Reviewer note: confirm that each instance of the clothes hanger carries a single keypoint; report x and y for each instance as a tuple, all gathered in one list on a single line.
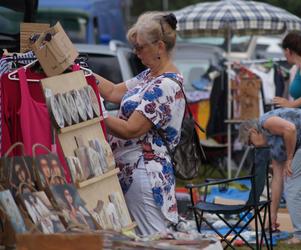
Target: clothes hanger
[(12, 76), (87, 72)]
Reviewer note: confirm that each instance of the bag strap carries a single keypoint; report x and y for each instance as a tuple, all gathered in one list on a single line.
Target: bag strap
[(186, 105), (160, 131), (41, 146)]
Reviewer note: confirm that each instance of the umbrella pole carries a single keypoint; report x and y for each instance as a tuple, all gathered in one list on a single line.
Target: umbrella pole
[(229, 99)]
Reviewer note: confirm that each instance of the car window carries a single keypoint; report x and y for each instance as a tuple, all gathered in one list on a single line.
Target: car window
[(108, 67), (105, 65), (238, 43), (10, 20), (135, 64), (74, 22), (192, 70)]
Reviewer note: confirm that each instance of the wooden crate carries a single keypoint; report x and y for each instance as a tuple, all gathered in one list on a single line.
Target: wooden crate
[(91, 241)]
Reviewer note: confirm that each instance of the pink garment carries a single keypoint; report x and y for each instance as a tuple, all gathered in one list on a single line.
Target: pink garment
[(34, 117)]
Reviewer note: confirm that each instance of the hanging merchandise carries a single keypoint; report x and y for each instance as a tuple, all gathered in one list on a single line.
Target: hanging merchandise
[(54, 50), (36, 126), (87, 101), (71, 103), (93, 99), (65, 108), (245, 90), (56, 112), (81, 107)]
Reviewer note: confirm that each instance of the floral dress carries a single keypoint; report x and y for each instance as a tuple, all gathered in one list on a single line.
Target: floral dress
[(160, 100)]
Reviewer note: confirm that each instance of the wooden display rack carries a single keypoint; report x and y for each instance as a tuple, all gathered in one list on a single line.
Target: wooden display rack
[(96, 188)]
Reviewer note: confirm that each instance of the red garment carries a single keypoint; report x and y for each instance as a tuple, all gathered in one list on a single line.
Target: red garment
[(13, 115), (34, 117)]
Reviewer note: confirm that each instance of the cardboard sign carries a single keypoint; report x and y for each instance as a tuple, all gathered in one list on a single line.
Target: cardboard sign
[(55, 51), (27, 30)]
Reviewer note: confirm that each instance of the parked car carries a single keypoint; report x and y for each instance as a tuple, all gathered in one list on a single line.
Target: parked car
[(118, 63), (12, 13), (245, 47), (115, 62), (93, 21)]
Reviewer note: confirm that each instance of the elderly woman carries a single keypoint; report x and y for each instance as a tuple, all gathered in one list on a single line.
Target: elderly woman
[(280, 129), (152, 100)]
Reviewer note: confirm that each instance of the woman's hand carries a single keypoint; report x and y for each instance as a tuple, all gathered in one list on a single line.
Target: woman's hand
[(287, 171), (282, 102)]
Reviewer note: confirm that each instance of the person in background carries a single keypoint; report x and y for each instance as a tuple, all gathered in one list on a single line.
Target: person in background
[(280, 129), (291, 45), (152, 100)]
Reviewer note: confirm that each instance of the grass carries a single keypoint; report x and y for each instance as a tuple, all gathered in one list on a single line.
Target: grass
[(281, 245)]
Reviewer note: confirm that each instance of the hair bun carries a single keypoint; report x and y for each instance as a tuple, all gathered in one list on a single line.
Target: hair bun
[(171, 20)]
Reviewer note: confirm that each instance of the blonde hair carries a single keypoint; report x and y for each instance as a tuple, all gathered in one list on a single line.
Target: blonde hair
[(155, 26)]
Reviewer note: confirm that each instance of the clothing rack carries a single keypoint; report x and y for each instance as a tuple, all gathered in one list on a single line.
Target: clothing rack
[(230, 122)]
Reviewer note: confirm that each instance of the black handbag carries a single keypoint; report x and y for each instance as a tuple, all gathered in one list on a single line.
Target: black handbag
[(186, 157)]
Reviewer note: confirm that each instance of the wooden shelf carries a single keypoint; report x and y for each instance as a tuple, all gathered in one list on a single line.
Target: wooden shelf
[(80, 125), (97, 178)]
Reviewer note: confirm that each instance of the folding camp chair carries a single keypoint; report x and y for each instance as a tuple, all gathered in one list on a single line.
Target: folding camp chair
[(216, 155), (253, 209)]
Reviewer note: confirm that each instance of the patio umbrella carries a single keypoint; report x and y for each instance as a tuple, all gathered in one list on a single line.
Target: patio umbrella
[(228, 17)]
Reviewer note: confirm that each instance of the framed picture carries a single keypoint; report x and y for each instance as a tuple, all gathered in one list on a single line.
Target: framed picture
[(20, 170), (96, 145), (49, 168), (82, 155), (9, 206), (99, 214), (56, 168), (119, 204), (72, 206), (95, 164), (43, 169), (75, 168), (42, 212)]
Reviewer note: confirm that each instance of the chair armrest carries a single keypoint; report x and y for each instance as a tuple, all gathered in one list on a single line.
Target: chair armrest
[(211, 183)]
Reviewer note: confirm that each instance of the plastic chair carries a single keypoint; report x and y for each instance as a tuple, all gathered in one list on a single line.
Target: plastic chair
[(245, 212)]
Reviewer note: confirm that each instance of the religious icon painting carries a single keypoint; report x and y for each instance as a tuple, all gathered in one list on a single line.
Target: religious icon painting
[(73, 207), (20, 174), (42, 213), (49, 169), (75, 168), (12, 212)]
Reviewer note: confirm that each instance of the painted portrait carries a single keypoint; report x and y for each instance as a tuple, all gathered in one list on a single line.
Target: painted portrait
[(49, 168), (9, 206), (75, 168), (42, 212), (72, 206), (20, 172)]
